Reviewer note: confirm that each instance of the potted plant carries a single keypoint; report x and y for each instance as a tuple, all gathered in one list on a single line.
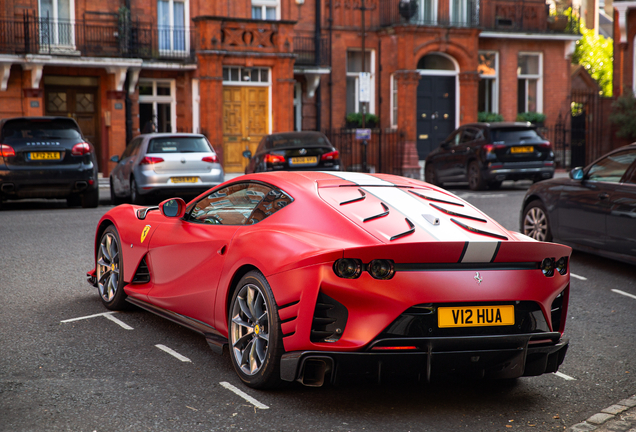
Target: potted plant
[(354, 120), (535, 118), (489, 117)]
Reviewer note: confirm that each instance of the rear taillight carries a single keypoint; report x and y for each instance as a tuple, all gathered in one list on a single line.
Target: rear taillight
[(545, 146), (274, 158), (331, 155), (210, 159), (489, 148), (81, 149), (150, 160), (6, 151)]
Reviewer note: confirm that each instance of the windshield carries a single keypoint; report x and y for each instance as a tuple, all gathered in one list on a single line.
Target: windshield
[(179, 145), (297, 140), (20, 130)]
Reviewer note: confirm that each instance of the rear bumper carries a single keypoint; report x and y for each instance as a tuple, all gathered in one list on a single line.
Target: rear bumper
[(151, 183), (491, 357), (519, 173), (47, 183)]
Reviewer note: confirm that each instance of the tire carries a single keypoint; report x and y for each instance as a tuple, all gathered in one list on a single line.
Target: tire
[(255, 337), (475, 179), (114, 199), (110, 270), (430, 176), (90, 199), (135, 197), (535, 222), (494, 185)]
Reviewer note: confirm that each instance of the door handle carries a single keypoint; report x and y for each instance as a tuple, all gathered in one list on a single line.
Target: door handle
[(603, 195)]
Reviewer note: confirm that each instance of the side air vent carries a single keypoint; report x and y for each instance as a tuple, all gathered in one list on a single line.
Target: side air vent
[(330, 319), (142, 275), (557, 311)]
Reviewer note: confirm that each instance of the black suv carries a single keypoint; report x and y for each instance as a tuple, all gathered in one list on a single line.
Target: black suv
[(47, 157), (485, 154)]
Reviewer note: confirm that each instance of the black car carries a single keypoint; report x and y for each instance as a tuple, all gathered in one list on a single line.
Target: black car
[(298, 151), (486, 154), (47, 157), (594, 210)]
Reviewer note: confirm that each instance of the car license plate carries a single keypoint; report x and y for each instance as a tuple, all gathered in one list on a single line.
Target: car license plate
[(475, 316), (522, 149), (304, 160), (45, 156), (184, 179)]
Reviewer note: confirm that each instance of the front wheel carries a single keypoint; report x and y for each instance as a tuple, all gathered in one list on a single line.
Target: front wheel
[(536, 223), (110, 270), (256, 343)]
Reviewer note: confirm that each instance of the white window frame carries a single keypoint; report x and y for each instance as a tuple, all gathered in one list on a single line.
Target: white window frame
[(356, 76), (171, 25), (54, 33), (495, 78), (394, 102), (458, 17), (264, 4), (298, 106), (196, 107), (155, 99), (434, 6), (538, 77)]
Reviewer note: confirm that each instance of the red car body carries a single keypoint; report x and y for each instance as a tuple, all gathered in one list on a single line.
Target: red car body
[(443, 251)]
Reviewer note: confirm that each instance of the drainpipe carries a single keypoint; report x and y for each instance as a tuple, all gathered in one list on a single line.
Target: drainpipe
[(318, 46), (331, 64)]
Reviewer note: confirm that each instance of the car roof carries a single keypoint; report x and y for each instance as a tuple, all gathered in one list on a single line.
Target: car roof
[(169, 134), (501, 125), (36, 118), (299, 134)]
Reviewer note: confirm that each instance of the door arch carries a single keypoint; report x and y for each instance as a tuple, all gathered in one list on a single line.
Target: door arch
[(437, 100)]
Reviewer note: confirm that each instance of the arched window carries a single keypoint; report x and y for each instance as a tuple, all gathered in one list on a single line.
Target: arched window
[(436, 62)]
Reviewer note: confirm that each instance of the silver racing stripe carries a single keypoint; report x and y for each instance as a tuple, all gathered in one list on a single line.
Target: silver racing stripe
[(361, 179), (480, 251)]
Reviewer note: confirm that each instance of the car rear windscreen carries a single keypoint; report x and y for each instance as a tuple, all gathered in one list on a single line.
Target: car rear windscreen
[(300, 140), (179, 145), (515, 135), (20, 130)]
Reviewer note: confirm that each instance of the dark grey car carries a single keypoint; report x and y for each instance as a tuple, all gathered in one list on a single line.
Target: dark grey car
[(593, 210)]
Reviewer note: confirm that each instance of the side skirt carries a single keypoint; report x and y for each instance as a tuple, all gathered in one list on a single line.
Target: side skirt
[(215, 340)]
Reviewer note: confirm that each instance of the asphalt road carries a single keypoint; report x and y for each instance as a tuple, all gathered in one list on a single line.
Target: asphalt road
[(106, 372)]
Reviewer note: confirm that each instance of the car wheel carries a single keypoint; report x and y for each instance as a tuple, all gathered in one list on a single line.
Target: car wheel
[(430, 176), (256, 344), (90, 199), (475, 179), (110, 270), (536, 223), (135, 197), (114, 199)]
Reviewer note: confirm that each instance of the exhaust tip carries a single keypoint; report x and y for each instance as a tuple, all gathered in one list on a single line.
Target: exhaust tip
[(314, 370), (8, 187)]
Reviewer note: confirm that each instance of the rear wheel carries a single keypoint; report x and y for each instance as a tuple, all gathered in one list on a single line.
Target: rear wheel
[(475, 179), (256, 343), (536, 223), (135, 197), (110, 270), (90, 199), (114, 199)]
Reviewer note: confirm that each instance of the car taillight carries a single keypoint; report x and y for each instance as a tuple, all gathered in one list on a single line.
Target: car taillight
[(149, 160), (81, 149), (546, 145), (6, 151), (210, 159), (489, 148), (274, 158), (331, 155)]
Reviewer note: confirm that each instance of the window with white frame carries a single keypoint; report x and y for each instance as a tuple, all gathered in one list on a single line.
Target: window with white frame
[(172, 18), (298, 107), (459, 15), (354, 67), (529, 83), (157, 106), (241, 75), (265, 9), (56, 18), (488, 84), (394, 102), (428, 12)]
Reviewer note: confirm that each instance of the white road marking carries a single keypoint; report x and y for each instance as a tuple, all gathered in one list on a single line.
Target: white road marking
[(624, 293), (564, 376), (577, 276), (173, 353), (244, 395), (107, 315)]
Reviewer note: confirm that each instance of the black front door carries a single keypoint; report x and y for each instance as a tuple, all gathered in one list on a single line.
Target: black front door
[(435, 112)]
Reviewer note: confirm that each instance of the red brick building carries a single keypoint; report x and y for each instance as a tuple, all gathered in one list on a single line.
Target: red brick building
[(236, 70)]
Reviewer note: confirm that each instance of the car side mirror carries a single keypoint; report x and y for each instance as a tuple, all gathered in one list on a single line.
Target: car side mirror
[(247, 154), (173, 208), (577, 173), (115, 159)]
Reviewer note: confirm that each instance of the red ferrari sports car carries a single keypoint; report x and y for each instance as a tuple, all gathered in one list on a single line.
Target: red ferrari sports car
[(307, 276)]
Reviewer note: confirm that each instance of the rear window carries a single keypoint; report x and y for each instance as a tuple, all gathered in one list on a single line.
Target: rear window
[(179, 145), (515, 135), (19, 130), (300, 140)]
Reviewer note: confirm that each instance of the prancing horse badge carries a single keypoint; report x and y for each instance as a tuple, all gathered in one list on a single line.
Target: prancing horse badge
[(478, 278)]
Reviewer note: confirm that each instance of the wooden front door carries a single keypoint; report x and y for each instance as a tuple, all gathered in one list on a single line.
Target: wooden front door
[(245, 121)]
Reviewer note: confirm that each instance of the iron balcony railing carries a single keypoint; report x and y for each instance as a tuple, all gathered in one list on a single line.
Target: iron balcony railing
[(451, 13), (308, 55), (33, 35)]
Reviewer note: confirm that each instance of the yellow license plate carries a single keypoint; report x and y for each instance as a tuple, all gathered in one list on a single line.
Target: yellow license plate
[(304, 160), (475, 316), (184, 179), (45, 155), (522, 149)]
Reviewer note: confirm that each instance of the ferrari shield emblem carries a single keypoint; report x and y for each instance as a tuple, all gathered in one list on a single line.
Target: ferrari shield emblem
[(144, 233)]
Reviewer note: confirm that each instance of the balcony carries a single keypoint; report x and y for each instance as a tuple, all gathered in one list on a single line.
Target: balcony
[(530, 17), (99, 38), (432, 13), (308, 55)]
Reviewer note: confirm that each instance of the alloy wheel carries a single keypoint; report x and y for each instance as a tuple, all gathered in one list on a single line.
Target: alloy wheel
[(535, 224), (108, 265), (249, 332)]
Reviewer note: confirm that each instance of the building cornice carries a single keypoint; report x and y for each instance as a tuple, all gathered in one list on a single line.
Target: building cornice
[(530, 36)]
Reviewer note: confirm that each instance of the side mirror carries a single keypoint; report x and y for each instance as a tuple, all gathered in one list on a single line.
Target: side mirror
[(173, 208), (115, 159), (577, 173), (247, 154)]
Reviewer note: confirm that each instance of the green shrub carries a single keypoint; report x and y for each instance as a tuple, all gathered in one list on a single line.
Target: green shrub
[(356, 119), (532, 117), (623, 109), (489, 117)]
